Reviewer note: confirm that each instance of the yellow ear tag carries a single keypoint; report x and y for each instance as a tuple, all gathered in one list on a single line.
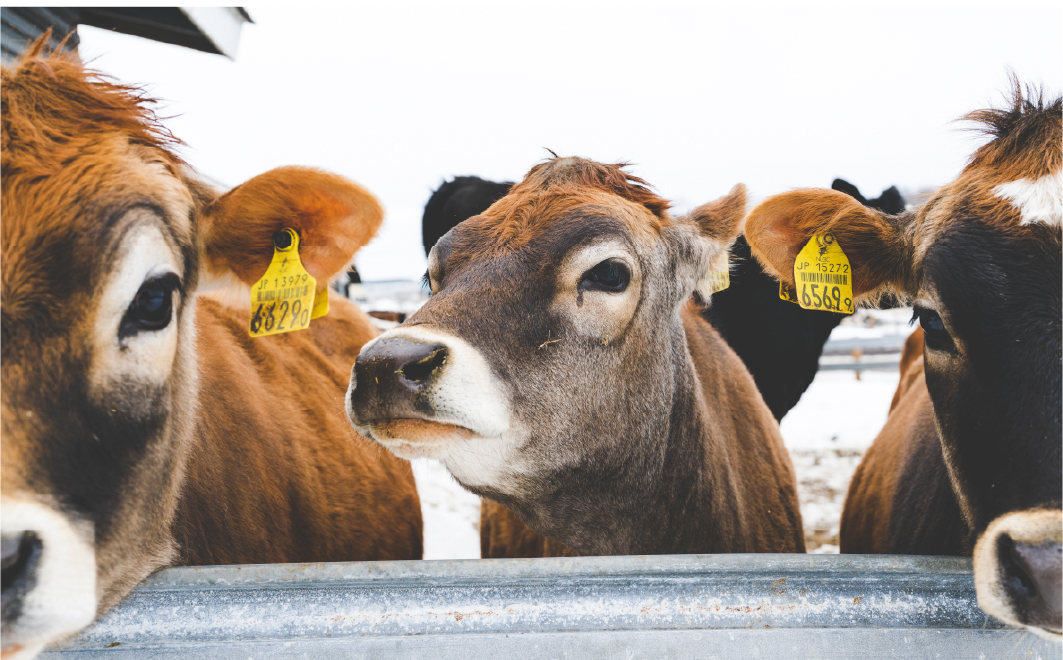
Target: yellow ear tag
[(788, 293), (320, 304), (282, 300), (719, 280), (823, 277)]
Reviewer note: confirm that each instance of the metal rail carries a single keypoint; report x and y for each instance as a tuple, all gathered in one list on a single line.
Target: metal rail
[(712, 606)]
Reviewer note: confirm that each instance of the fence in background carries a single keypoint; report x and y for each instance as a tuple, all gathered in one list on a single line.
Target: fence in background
[(713, 606)]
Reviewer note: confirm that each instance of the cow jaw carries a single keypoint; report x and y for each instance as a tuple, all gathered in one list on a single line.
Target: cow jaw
[(52, 593)]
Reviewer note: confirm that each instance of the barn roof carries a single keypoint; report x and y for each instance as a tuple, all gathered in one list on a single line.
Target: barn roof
[(208, 29)]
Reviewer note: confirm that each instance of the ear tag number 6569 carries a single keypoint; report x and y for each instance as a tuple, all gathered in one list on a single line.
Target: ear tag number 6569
[(822, 277), (283, 299)]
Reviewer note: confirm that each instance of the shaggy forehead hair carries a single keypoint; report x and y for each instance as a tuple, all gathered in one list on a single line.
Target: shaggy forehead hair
[(551, 189), (66, 133), (1026, 136), (1025, 147), (53, 107)]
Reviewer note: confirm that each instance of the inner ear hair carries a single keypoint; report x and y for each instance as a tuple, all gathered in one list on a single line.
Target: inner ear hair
[(875, 243), (720, 220)]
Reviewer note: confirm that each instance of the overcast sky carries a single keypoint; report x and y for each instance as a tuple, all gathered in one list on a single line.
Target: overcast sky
[(399, 98)]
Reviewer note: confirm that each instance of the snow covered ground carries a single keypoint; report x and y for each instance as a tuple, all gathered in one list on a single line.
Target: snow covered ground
[(827, 433), (451, 513)]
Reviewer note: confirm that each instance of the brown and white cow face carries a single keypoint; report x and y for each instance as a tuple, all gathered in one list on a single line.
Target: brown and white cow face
[(105, 238), (981, 263), (552, 332)]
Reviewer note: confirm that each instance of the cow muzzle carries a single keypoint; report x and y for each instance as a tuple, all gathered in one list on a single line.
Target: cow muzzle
[(1018, 570), (48, 574), (418, 392)]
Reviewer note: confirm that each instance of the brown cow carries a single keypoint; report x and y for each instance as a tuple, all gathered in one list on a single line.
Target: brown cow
[(972, 449), (141, 426), (599, 405)]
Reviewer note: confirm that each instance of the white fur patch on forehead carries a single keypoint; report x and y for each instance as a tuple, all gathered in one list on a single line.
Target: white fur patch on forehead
[(1038, 200)]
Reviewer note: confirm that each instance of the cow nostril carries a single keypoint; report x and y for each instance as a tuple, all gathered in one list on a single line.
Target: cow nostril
[(1032, 580), (1016, 578), (20, 554), (422, 369)]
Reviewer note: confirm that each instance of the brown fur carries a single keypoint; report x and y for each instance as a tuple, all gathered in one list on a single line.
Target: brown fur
[(910, 371), (243, 454), (503, 535), (753, 448), (355, 501), (719, 219), (553, 187), (610, 421), (971, 447), (334, 218), (872, 491), (889, 250), (768, 518), (780, 226)]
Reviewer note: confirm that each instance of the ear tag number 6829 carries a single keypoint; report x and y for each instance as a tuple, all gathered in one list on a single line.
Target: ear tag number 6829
[(283, 299), (822, 277)]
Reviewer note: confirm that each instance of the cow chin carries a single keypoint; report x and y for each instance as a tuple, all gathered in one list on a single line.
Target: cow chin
[(50, 583), (1017, 570), (418, 438)]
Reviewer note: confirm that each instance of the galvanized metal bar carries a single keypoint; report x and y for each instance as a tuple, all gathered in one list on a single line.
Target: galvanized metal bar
[(794, 606), (860, 366)]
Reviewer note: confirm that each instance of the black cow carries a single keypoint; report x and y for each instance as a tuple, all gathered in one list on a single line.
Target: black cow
[(889, 201), (779, 341), (456, 200)]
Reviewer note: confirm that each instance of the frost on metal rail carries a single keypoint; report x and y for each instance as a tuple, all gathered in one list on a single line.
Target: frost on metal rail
[(712, 606)]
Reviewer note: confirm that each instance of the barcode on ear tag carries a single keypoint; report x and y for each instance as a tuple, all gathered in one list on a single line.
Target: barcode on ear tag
[(283, 299), (822, 277)]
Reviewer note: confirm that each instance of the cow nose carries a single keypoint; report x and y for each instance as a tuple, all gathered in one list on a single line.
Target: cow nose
[(391, 376), (1032, 579), (398, 361), (21, 553)]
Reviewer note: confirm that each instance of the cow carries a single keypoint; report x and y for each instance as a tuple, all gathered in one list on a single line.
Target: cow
[(890, 201), (779, 342), (969, 461), (142, 427), (456, 200), (562, 368)]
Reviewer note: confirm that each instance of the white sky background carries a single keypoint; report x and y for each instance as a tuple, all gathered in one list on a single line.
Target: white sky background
[(399, 98)]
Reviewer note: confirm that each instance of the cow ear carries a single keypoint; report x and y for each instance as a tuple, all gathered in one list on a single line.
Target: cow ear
[(333, 216), (717, 225), (781, 225), (719, 221)]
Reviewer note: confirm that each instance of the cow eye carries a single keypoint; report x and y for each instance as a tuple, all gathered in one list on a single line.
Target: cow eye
[(152, 307), (935, 336), (611, 275)]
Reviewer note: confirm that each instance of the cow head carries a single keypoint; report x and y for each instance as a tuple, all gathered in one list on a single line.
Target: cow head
[(106, 237), (980, 262), (552, 335)]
